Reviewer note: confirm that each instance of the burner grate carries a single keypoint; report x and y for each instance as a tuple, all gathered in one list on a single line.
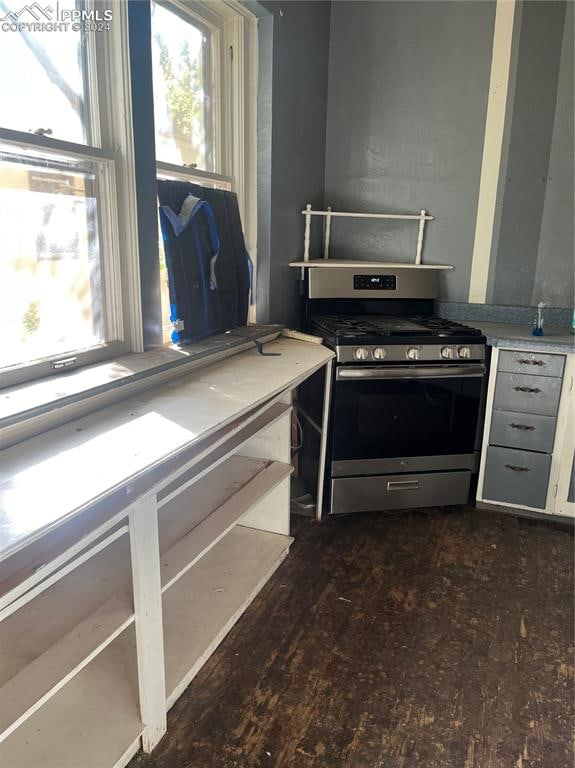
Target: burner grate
[(374, 325)]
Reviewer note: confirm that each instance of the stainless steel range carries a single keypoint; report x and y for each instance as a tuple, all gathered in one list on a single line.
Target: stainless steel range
[(407, 391)]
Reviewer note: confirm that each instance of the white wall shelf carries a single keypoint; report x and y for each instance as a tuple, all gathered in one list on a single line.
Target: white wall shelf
[(421, 218), (354, 264), (108, 608)]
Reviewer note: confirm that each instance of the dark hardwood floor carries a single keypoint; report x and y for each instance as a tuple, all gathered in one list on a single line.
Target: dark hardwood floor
[(435, 639)]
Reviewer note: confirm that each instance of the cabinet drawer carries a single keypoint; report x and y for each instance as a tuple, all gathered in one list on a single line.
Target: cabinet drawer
[(527, 394), (516, 477), (529, 431), (533, 363)]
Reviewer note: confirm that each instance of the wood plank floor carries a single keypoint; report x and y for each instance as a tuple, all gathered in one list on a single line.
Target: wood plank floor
[(428, 639)]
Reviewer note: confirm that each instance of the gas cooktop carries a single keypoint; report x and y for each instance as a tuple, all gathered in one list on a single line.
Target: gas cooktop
[(348, 329), (391, 339)]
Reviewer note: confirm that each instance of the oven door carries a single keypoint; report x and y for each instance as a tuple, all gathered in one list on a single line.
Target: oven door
[(395, 419)]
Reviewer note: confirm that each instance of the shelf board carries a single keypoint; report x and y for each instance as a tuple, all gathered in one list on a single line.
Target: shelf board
[(351, 264), (47, 619), (39, 681), (93, 722), (247, 482), (202, 606), (183, 513)]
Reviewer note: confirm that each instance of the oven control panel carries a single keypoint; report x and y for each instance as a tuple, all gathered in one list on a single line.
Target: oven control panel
[(410, 353), (375, 282)]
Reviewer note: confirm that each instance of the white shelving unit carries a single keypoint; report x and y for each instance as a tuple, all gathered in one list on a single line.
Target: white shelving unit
[(109, 610), (421, 218)]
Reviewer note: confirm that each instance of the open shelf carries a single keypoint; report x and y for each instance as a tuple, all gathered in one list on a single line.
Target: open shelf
[(49, 617), (197, 519), (54, 636), (202, 606), (354, 264), (198, 501), (51, 638), (222, 446), (45, 556), (93, 722)]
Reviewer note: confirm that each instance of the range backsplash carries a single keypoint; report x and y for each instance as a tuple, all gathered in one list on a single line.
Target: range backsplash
[(496, 313)]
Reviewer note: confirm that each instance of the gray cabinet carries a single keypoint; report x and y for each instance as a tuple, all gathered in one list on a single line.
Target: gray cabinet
[(519, 445)]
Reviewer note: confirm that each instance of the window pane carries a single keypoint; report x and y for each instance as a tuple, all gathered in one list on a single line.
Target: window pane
[(50, 270), (42, 77), (183, 90)]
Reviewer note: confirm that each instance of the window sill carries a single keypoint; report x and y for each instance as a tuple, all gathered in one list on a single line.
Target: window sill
[(29, 409)]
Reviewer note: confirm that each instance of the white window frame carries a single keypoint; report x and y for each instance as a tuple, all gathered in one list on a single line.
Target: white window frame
[(235, 59), (111, 147)]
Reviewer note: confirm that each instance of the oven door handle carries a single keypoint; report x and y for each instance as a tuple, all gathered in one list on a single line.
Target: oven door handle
[(421, 372)]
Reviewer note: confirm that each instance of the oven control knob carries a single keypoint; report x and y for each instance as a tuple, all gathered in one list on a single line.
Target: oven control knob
[(412, 353), (464, 352), (447, 352), (361, 353), (379, 353)]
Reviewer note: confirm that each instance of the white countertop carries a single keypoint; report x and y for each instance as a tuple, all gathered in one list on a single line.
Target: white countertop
[(506, 334), (109, 454)]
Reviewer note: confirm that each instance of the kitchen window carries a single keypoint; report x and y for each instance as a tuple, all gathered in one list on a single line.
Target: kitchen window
[(204, 57), (186, 89), (67, 293), (70, 283)]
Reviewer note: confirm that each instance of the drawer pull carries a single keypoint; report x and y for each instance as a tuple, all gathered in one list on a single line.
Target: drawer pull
[(523, 427), (534, 390), (402, 485), (514, 468), (531, 362)]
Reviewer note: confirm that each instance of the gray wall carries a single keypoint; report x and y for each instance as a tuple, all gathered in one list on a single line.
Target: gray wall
[(291, 144), (407, 98), (529, 252), (554, 275), (396, 93)]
